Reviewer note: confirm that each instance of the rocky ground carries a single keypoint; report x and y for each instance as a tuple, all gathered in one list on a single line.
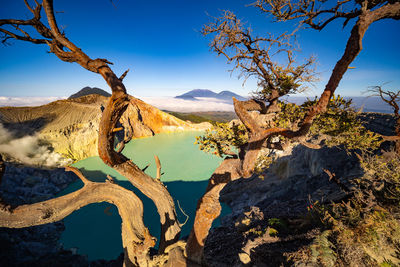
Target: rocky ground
[(381, 123)]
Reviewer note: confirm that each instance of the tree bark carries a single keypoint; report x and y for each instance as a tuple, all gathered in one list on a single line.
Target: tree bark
[(273, 106), (152, 188), (209, 207), (273, 101)]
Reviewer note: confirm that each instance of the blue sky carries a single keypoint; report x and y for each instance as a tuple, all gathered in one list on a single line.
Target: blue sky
[(160, 42)]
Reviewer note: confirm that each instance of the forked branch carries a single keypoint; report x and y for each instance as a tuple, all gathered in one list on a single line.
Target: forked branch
[(258, 56), (158, 165), (136, 238), (392, 98)]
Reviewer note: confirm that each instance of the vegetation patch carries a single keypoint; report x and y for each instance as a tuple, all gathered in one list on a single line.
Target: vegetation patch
[(365, 229)]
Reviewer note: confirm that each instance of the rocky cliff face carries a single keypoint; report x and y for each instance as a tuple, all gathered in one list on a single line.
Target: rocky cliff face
[(70, 126)]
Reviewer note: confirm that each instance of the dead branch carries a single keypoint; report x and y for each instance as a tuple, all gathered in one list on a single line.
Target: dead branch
[(392, 98), (110, 179), (117, 129), (334, 178), (145, 168), (310, 12), (136, 238), (390, 138), (183, 212), (121, 146), (123, 75), (158, 164), (255, 56), (78, 173), (309, 145)]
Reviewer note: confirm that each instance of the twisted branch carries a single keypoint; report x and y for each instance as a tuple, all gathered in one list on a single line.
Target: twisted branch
[(135, 236)]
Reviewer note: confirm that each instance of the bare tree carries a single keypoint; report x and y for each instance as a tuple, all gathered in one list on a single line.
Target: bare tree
[(258, 56), (237, 45), (317, 15), (392, 98)]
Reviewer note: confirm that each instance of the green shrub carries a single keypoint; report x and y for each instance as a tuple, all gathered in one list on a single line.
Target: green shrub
[(322, 250), (339, 125), (223, 139)]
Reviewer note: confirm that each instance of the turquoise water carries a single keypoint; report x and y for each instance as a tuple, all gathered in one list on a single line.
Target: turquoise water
[(95, 229)]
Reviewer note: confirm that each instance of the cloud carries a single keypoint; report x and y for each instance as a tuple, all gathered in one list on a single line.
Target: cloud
[(183, 105), (166, 103), (27, 101), (29, 150)]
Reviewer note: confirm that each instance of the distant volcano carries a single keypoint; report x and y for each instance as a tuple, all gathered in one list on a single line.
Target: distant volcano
[(223, 95), (90, 91)]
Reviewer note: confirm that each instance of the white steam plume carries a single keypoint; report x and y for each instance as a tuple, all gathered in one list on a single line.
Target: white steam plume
[(29, 150)]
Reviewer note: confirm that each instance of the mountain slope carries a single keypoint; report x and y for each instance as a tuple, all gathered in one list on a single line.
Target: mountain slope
[(198, 93), (89, 91), (71, 126), (228, 95), (223, 95)]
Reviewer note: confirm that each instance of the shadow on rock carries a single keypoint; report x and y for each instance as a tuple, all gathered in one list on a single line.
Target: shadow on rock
[(270, 217)]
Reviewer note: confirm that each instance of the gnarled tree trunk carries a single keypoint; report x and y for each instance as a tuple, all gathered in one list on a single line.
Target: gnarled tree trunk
[(152, 188), (136, 238)]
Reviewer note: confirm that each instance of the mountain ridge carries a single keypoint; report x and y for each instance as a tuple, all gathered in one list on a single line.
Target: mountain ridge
[(225, 95), (89, 91)]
